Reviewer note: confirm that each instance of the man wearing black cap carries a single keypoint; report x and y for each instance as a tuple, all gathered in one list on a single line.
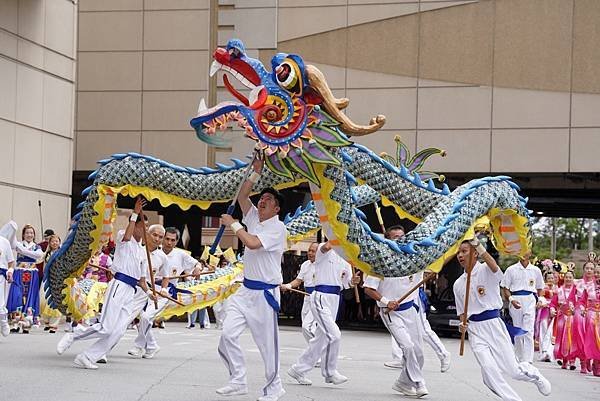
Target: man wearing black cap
[(47, 234), (256, 303)]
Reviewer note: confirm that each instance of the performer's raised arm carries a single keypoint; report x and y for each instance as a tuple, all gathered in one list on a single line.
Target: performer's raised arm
[(246, 188)]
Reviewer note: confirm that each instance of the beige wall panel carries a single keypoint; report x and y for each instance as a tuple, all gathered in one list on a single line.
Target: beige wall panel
[(180, 148), (94, 146), (32, 19), (533, 44), (398, 105), (8, 44), (183, 70), (324, 48), (110, 5), (311, 3), (586, 52), (240, 147), (396, 49), (462, 37), (30, 53), (29, 96), (59, 65), (109, 111), (58, 106), (454, 107), (585, 143), (28, 156), (335, 76), (467, 151), (176, 4), (514, 108), (55, 211), (8, 15), (530, 150), (7, 150), (110, 31), (57, 164), (257, 26), (310, 20), (187, 30), (428, 5), (585, 110), (432, 83), (170, 111), (370, 79), (109, 71), (8, 88), (383, 141), (6, 200), (60, 26), (360, 14)]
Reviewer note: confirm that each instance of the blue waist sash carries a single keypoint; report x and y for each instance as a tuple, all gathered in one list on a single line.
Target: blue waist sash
[(259, 285), (328, 289), (405, 306), (525, 292), (173, 290), (513, 331), (130, 281), (309, 289), (3, 272)]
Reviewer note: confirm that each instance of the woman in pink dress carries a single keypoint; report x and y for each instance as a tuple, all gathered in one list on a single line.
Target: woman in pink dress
[(591, 301), (562, 306), (583, 284), (544, 322)]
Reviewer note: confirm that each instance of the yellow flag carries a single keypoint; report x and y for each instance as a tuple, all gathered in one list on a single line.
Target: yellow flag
[(218, 251), (229, 254), (214, 261), (204, 255)]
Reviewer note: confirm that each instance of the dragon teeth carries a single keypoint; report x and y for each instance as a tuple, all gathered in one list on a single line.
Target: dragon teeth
[(214, 67)]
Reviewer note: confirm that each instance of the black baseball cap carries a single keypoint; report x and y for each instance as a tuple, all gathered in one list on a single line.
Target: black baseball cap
[(48, 232), (276, 194)]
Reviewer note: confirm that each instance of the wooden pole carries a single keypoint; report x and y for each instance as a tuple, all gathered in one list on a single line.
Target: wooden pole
[(306, 294), (356, 295), (469, 269), (379, 217), (420, 283), (152, 287), (171, 299)]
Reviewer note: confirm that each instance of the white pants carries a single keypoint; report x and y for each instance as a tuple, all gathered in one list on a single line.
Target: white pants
[(145, 338), (113, 322), (494, 352), (404, 327), (219, 309), (309, 325), (249, 308), (4, 288), (525, 319), (546, 346), (429, 336), (326, 342), (140, 299)]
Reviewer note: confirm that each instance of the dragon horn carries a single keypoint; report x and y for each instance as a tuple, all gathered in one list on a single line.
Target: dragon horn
[(318, 82)]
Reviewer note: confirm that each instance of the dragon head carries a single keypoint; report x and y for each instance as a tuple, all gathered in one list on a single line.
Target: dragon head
[(290, 111)]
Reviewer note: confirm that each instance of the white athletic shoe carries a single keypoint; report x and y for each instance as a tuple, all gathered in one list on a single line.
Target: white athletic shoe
[(395, 364), (336, 379), (544, 386), (149, 354), (232, 389), (103, 359), (404, 388), (301, 379), (318, 364), (81, 361), (4, 328), (136, 352), (272, 397), (64, 343), (445, 363), (421, 390)]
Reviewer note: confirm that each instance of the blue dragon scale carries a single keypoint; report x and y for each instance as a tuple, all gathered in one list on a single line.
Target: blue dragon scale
[(299, 126)]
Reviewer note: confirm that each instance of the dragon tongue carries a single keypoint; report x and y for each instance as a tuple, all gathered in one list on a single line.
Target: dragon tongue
[(257, 97)]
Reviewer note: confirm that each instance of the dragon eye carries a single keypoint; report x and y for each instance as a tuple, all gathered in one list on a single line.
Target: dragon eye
[(286, 76)]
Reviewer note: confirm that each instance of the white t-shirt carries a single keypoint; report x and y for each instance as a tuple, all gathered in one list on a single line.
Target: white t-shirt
[(264, 264), (128, 257), (331, 269), (484, 293), (6, 253), (180, 261), (518, 278), (393, 288), (160, 264), (307, 274)]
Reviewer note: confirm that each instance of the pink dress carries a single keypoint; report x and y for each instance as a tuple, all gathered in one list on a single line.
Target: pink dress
[(563, 302), (591, 300), (580, 327)]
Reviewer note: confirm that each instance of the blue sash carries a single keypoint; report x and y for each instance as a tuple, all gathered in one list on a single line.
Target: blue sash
[(328, 289), (173, 290), (424, 300), (130, 281), (3, 272), (405, 306), (525, 292), (309, 289), (259, 285), (513, 331)]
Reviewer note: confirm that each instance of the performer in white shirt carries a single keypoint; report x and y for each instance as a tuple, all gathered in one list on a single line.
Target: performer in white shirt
[(521, 286), (117, 306), (7, 266), (488, 337), (332, 274), (306, 276), (256, 303)]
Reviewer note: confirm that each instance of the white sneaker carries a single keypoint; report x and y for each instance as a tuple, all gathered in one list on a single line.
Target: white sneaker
[(395, 364), (445, 363), (336, 379), (318, 364), (4, 328), (136, 352), (404, 388), (544, 386), (232, 389), (64, 343), (421, 390), (300, 378), (272, 397), (149, 354), (81, 361), (103, 359)]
